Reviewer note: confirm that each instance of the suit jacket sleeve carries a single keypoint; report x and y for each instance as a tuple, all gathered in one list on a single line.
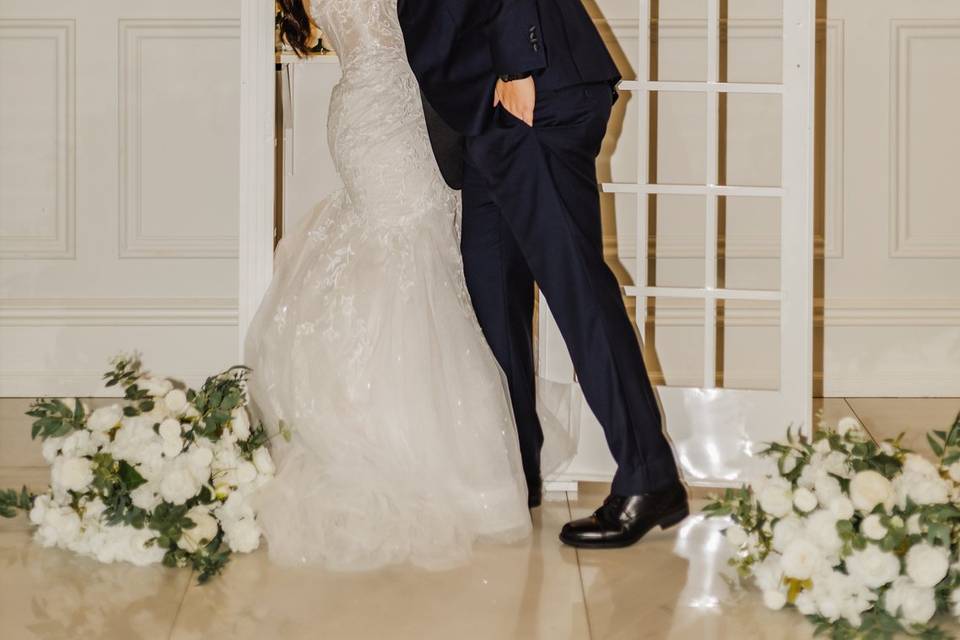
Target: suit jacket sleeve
[(516, 42)]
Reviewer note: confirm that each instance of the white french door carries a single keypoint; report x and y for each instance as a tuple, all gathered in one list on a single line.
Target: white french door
[(716, 430)]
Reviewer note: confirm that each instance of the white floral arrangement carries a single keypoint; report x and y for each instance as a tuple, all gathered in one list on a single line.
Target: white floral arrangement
[(860, 537), (165, 476)]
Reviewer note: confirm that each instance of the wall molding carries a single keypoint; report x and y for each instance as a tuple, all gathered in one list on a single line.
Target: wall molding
[(830, 33), (134, 242), (61, 243), (118, 312), (903, 242)]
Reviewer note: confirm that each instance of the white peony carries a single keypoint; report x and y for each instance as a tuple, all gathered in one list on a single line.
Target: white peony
[(804, 500), (954, 471), (50, 449), (849, 425), (873, 567), (785, 531), (170, 429), (842, 508), (909, 601), (789, 461), (913, 525), (105, 418), (139, 549), (821, 528), (264, 462), (927, 565), (176, 401), (801, 559), (145, 497), (873, 528), (72, 474), (78, 444), (240, 423), (929, 491), (827, 488), (242, 535), (39, 510), (735, 536), (869, 489), (246, 472), (774, 599), (156, 387), (776, 497), (178, 485), (836, 463), (205, 530)]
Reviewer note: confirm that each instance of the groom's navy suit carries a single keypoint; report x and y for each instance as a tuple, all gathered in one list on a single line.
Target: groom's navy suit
[(531, 209)]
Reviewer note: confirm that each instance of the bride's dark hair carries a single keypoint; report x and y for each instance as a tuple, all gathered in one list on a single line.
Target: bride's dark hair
[(295, 26)]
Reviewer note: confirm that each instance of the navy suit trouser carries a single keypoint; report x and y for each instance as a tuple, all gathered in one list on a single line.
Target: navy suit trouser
[(531, 213)]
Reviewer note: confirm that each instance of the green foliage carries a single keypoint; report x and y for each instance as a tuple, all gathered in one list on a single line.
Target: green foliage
[(216, 400), (258, 438), (208, 561), (11, 501), (54, 419)]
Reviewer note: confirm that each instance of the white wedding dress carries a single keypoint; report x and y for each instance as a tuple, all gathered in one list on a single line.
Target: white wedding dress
[(403, 446)]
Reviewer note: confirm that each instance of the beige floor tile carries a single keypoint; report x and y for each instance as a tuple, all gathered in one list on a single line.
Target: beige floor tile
[(888, 417), (675, 585), (54, 594), (526, 591)]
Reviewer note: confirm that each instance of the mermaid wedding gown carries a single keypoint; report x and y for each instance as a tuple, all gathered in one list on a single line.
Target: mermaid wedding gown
[(403, 444)]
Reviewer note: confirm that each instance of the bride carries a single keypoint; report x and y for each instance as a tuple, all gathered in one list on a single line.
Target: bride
[(403, 446)]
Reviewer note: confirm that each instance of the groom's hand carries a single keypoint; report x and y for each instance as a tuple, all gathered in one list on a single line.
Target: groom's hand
[(519, 97)]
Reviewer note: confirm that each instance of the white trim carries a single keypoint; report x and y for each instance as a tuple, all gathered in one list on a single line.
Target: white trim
[(116, 312), (257, 57)]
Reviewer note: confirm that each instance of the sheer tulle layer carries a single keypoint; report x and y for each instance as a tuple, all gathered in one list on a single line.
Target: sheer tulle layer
[(403, 444)]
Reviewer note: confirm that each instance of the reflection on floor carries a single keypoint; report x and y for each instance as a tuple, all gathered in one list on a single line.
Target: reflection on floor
[(674, 584)]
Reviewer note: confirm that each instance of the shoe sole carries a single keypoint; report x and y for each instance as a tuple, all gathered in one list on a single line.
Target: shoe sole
[(666, 522)]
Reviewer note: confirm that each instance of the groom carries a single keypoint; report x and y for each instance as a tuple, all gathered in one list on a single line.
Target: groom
[(529, 85)]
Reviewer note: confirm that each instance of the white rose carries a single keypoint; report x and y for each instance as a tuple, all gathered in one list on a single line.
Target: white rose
[(156, 387), (72, 474), (822, 446), (786, 531), (868, 489), (205, 530), (873, 528), (170, 429), (240, 423), (736, 536), (805, 603), (801, 559), (804, 500), (916, 464), (927, 565), (836, 463), (145, 497), (841, 508), (172, 448), (914, 604), (776, 498), (774, 599), (263, 462), (178, 485), (789, 461), (105, 418), (873, 567), (176, 401)]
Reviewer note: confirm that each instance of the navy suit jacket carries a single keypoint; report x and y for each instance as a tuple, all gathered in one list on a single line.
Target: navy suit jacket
[(457, 48)]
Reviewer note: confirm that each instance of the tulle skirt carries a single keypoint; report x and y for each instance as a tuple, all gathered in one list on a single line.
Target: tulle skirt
[(402, 445)]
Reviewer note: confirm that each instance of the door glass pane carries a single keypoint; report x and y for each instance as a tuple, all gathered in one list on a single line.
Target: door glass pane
[(680, 144), (750, 139)]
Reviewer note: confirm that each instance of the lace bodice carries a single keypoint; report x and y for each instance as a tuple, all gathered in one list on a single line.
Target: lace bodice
[(363, 33)]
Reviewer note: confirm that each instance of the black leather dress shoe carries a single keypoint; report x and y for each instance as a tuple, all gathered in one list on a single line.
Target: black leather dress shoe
[(623, 520)]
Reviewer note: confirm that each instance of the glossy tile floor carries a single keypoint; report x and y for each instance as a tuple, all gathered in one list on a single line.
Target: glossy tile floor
[(673, 585)]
